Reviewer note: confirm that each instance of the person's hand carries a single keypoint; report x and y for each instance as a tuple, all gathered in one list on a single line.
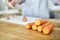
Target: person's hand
[(11, 3)]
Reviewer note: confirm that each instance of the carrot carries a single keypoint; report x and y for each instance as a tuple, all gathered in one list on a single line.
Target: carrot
[(40, 22), (24, 19), (48, 29), (40, 27), (34, 27), (29, 25)]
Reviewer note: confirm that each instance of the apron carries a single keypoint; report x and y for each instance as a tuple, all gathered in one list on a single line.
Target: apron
[(35, 8)]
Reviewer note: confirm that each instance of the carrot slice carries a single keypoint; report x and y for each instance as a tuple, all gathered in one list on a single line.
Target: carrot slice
[(48, 29), (40, 28), (34, 27), (24, 19), (29, 25)]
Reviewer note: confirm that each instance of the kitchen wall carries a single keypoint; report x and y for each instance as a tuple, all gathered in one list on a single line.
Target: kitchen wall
[(3, 5)]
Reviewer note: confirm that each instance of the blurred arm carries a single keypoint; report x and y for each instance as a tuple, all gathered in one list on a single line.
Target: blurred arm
[(10, 5)]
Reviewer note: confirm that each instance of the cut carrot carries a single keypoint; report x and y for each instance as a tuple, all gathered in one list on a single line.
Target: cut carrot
[(40, 22), (37, 21), (29, 25), (40, 27), (24, 19), (34, 27), (48, 29)]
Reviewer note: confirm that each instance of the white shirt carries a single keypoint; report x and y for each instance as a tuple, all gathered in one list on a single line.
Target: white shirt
[(35, 8), (54, 1)]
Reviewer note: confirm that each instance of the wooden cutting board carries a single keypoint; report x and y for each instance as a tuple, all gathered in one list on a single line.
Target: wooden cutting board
[(10, 31)]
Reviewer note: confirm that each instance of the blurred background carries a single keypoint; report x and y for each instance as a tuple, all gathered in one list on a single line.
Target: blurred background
[(53, 5)]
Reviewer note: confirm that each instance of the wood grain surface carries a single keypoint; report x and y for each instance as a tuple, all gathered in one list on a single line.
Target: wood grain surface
[(10, 31)]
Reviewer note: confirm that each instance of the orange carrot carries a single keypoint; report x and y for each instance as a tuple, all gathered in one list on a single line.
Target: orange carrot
[(40, 27), (48, 29), (34, 27), (40, 22), (24, 19), (29, 25)]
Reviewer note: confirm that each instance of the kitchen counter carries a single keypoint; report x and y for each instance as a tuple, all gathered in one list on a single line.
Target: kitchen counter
[(14, 31)]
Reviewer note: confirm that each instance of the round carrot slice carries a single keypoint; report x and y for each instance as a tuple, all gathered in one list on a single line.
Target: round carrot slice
[(24, 19)]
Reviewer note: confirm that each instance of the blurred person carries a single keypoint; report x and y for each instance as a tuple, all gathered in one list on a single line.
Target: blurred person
[(56, 2), (35, 8)]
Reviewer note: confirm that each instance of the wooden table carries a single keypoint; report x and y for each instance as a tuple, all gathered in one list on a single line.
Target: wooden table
[(10, 31)]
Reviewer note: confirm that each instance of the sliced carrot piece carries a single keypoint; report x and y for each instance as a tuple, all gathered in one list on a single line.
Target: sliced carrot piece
[(34, 27), (29, 25), (48, 29), (24, 19)]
